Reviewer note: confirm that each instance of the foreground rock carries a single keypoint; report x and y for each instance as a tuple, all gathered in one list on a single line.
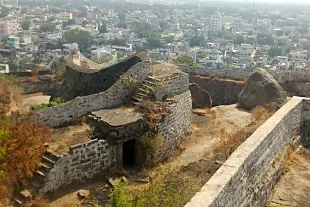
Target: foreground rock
[(201, 98), (260, 89)]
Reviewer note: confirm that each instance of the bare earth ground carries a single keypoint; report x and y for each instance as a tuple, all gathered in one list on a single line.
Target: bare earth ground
[(63, 138), (32, 99), (190, 159), (294, 187)]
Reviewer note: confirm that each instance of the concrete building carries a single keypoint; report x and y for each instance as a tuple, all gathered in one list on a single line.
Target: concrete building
[(216, 23), (8, 27), (9, 3), (12, 42), (4, 68), (298, 56)]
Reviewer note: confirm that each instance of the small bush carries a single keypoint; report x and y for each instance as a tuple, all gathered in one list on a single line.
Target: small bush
[(273, 106), (151, 143), (55, 102)]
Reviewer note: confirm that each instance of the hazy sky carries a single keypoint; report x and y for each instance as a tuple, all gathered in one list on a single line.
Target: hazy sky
[(272, 1)]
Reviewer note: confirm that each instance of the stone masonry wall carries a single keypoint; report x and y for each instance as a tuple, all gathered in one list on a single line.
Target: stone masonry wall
[(82, 162), (305, 130), (296, 82), (172, 85), (114, 96), (245, 178), (175, 125)]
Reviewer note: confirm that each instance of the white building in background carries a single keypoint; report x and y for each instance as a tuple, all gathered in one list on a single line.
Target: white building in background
[(216, 23), (8, 27), (69, 47), (4, 68), (298, 56), (9, 3)]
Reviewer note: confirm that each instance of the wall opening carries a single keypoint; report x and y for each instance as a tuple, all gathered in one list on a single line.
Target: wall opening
[(129, 153)]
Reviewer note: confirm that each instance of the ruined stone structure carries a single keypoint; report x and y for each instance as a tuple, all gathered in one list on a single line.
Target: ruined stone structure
[(250, 173), (118, 128), (295, 82)]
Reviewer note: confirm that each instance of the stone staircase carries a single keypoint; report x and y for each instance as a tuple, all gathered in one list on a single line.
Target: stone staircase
[(37, 181), (146, 91)]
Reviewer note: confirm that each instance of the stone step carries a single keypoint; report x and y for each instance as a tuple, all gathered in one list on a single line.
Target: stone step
[(150, 83), (142, 94), (147, 87), (51, 156), (41, 174), (145, 90), (153, 78), (37, 183), (19, 201), (44, 168), (48, 161), (135, 103), (137, 99)]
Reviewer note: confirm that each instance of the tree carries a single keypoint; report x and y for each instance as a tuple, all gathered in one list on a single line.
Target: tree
[(196, 41), (47, 27), (117, 41), (13, 66), (122, 20), (154, 41), (69, 22), (265, 39), (103, 27), (4, 12), (185, 60), (238, 40), (21, 143), (37, 60), (81, 37), (275, 51), (25, 25)]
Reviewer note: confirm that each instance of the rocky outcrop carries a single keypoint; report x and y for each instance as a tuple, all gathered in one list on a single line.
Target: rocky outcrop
[(260, 89), (200, 97), (222, 91)]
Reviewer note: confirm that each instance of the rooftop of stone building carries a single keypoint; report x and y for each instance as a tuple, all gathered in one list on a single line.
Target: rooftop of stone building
[(118, 116), (164, 70)]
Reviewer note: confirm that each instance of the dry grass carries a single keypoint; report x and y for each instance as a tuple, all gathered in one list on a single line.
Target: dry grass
[(229, 141), (39, 201)]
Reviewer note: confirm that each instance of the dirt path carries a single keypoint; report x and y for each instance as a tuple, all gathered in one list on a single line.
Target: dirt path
[(201, 141), (294, 187)]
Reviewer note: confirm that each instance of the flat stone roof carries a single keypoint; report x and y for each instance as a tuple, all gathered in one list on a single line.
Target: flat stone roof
[(163, 70), (117, 117)]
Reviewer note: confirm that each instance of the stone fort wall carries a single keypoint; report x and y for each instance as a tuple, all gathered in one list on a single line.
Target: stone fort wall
[(296, 82), (250, 173), (81, 82), (82, 162), (176, 125), (74, 109)]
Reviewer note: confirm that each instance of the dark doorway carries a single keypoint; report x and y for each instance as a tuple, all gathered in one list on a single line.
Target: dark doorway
[(129, 156)]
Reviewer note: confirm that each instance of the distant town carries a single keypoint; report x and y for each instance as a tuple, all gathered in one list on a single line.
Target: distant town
[(35, 34)]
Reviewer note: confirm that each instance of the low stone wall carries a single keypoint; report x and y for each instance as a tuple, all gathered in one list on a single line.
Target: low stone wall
[(305, 130), (296, 82), (74, 109), (82, 162), (245, 178), (38, 84), (222, 91), (172, 85), (175, 125)]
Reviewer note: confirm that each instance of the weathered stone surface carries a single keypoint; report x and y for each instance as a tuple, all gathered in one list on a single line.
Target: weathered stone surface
[(250, 173), (83, 194), (201, 98), (260, 89)]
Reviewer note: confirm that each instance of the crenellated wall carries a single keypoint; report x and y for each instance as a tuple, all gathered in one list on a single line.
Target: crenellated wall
[(296, 82), (250, 173), (74, 109), (82, 162)]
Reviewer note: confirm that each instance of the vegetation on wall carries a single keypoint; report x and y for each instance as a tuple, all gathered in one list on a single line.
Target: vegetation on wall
[(54, 102), (21, 144), (185, 60)]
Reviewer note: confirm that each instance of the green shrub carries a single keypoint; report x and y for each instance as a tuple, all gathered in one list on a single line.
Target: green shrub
[(55, 102), (119, 197)]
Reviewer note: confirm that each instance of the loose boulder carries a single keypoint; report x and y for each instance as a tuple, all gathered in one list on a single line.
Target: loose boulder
[(260, 88), (200, 97)]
